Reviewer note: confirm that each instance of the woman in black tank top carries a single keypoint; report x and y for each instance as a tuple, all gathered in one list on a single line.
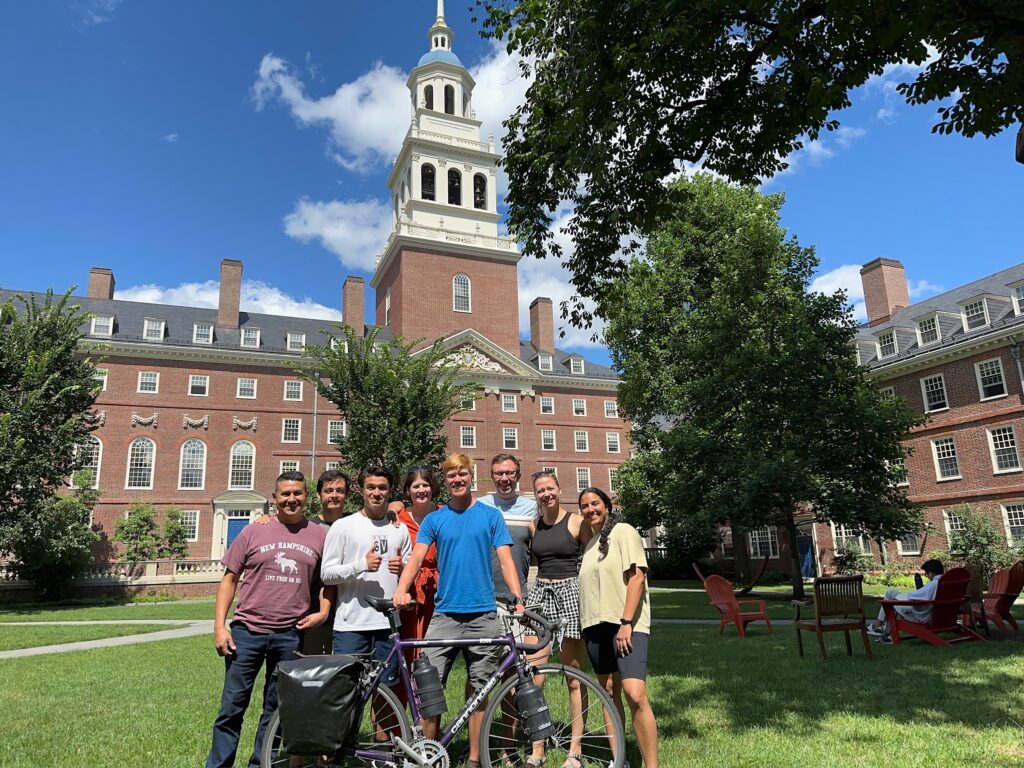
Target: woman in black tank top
[(559, 538)]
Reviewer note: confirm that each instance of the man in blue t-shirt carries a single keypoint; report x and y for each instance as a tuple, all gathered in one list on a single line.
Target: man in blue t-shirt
[(465, 532)]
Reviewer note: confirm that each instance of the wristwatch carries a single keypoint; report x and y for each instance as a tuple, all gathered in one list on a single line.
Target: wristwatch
[(517, 600), (624, 622)]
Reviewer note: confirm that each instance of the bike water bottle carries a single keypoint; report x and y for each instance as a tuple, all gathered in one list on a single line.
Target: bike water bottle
[(428, 686), (533, 711)]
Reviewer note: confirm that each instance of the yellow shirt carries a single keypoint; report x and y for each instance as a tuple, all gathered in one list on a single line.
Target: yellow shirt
[(603, 580)]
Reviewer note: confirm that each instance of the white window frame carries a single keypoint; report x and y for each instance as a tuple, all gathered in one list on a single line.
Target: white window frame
[(576, 402), (924, 393), (473, 485), (93, 331), (289, 467), (771, 538), (862, 540), (332, 465), (295, 341), (156, 384), (1017, 294), (467, 431), (456, 295), (544, 433), (241, 338), (387, 307), (613, 437), (101, 375), (510, 438), (550, 470), (949, 530), (880, 344), (977, 377), (934, 320), (905, 483), (905, 552), (285, 393), (98, 444), (238, 387), (576, 440), (337, 426), (202, 469), (992, 448), (193, 379), (548, 401), (935, 459), (508, 400), (545, 362), (194, 515), (611, 409), (890, 391), (468, 403), (613, 479), (231, 466), (1006, 509), (145, 328), (284, 429), (128, 466), (195, 333), (581, 473), (577, 367), (984, 312)]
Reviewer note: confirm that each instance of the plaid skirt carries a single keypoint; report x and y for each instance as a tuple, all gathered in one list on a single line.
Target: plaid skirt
[(558, 601)]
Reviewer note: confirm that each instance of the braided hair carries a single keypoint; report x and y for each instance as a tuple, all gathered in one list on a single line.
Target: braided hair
[(614, 517)]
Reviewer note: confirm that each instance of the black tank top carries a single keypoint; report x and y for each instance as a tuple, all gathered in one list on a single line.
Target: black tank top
[(555, 549)]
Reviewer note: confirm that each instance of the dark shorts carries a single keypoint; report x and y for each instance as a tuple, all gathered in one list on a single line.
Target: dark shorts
[(481, 660), (376, 642), (600, 641)]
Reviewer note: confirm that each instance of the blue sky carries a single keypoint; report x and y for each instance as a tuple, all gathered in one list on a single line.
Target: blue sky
[(157, 138)]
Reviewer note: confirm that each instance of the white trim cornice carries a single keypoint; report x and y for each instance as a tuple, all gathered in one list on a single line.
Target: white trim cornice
[(204, 353), (933, 357)]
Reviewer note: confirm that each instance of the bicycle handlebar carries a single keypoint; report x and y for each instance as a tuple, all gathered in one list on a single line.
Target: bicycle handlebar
[(544, 636)]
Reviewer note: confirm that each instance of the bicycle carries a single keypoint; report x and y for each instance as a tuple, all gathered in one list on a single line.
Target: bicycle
[(388, 739)]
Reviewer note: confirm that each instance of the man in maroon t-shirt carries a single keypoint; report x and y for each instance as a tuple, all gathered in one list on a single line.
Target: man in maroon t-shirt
[(281, 565)]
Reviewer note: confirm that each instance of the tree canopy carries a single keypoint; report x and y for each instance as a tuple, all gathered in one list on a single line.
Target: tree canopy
[(625, 93), (748, 405)]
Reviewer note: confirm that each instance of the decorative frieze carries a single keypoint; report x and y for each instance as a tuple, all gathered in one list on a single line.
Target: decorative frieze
[(249, 425), (145, 421), (203, 423), (97, 418)]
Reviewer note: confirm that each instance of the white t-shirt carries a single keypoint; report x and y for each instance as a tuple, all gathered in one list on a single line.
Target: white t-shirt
[(344, 564)]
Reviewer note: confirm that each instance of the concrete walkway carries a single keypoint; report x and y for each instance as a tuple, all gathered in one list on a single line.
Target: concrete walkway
[(190, 629)]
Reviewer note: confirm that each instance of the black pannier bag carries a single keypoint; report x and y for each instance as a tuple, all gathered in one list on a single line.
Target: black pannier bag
[(319, 702)]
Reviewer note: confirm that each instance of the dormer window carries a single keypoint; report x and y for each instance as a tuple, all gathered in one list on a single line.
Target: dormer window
[(102, 325), (576, 366), (1018, 298), (544, 361), (886, 344), (250, 338), (153, 330), (202, 333), (296, 342), (928, 331), (975, 315)]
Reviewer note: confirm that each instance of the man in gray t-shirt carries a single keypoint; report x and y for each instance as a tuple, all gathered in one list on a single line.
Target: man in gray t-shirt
[(520, 515)]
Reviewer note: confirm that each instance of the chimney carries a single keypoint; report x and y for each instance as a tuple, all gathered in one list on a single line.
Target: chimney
[(230, 293), (542, 324), (101, 283), (885, 289), (353, 297)]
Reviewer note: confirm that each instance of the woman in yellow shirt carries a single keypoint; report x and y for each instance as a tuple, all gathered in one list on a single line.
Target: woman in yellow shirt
[(615, 613)]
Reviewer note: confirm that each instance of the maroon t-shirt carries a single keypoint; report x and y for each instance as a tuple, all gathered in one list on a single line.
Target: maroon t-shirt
[(280, 569)]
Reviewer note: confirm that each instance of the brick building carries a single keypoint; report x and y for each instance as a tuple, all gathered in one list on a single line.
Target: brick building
[(200, 408), (956, 358)]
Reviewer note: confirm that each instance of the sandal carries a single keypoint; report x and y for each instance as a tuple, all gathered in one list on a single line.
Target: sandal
[(534, 762), (573, 760)]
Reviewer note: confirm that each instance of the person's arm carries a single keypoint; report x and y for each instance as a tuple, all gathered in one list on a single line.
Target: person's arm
[(225, 596), (635, 578), (333, 570), (583, 532), (327, 595), (509, 574), (401, 597)]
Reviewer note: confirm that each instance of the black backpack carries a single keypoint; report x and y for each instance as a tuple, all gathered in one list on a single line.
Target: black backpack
[(320, 704)]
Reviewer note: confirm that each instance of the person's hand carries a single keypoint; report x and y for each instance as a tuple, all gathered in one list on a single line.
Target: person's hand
[(624, 640), (395, 564), (372, 561), (520, 606), (262, 520), (401, 599), (312, 620), (222, 641)]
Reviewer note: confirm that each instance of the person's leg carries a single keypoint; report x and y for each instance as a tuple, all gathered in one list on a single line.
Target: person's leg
[(383, 644), (442, 627), (890, 594), (571, 655), (240, 671), (281, 646), (482, 663), (644, 727)]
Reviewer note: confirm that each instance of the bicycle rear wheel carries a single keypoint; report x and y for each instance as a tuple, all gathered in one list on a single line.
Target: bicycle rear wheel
[(601, 737), (388, 719)]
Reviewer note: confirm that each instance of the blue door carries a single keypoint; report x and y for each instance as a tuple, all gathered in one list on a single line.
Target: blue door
[(235, 526)]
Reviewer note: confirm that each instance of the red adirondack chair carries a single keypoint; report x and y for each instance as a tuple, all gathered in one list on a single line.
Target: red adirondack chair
[(721, 595), (1003, 590), (949, 597)]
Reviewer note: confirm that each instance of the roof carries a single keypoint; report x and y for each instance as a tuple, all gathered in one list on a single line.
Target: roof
[(440, 54), (560, 363), (1002, 316)]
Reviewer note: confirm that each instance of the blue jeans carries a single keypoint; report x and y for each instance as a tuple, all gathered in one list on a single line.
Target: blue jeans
[(375, 642), (252, 651)]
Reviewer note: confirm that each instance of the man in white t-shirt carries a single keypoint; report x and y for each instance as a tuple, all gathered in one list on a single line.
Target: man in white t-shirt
[(918, 614), (363, 556)]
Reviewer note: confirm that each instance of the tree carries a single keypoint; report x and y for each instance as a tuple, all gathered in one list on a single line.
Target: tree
[(174, 542), (46, 390), (626, 93), (747, 403), (395, 402), (978, 543), (138, 534)]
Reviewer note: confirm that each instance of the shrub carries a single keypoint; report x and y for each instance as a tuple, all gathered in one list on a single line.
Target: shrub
[(979, 543), (852, 559)]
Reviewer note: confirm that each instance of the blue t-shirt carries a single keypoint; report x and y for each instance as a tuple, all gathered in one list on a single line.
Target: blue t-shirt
[(465, 540)]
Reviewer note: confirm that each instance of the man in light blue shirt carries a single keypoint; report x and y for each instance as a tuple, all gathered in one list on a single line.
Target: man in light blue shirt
[(520, 514)]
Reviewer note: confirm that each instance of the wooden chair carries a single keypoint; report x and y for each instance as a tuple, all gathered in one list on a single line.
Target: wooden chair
[(838, 607), (972, 612), (721, 595), (1003, 590), (949, 599)]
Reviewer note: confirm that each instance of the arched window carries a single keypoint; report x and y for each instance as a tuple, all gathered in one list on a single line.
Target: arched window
[(428, 97), (427, 182), (91, 453), (243, 460), (192, 465), (454, 187), (387, 307), (449, 99), (462, 300), (141, 457), (480, 192), (405, 192)]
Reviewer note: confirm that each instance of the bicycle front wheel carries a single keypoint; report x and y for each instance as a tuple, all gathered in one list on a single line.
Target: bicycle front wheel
[(383, 717), (597, 729)]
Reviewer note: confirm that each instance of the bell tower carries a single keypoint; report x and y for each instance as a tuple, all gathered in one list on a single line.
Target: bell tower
[(444, 267)]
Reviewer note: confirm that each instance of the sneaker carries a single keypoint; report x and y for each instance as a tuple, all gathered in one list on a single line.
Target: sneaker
[(874, 630)]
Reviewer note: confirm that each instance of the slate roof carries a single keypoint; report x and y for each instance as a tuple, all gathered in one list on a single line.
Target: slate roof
[(560, 364), (1001, 315)]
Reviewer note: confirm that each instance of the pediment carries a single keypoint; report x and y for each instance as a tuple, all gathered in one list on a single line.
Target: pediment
[(471, 351)]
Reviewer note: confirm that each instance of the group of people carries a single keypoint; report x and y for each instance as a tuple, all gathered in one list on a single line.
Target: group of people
[(452, 569)]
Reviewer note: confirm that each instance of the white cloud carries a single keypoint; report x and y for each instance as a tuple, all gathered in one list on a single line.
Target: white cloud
[(814, 153), (360, 115), (256, 296), (92, 12), (352, 230), (846, 277), (922, 289), (170, 138), (891, 76)]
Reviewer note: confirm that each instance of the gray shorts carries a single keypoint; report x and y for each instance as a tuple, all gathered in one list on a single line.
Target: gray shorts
[(481, 660)]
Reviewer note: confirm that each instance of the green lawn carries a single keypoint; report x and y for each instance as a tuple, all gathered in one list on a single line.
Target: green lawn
[(677, 604), (13, 638), (189, 611), (720, 703)]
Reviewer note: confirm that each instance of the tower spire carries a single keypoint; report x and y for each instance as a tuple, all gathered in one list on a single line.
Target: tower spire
[(440, 35), (440, 9)]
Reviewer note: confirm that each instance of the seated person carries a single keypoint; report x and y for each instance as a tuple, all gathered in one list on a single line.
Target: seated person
[(919, 614)]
